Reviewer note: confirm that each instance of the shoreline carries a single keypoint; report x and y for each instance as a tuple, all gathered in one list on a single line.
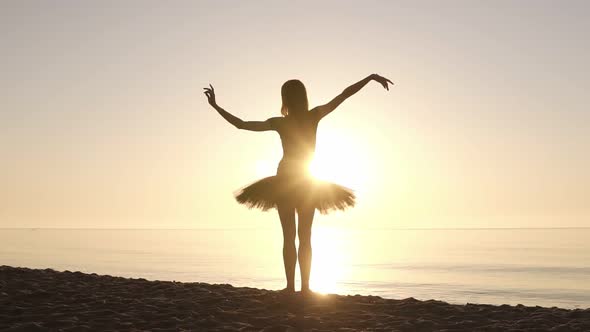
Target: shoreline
[(48, 300)]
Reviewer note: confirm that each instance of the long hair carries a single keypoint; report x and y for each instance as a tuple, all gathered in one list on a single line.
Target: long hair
[(294, 98)]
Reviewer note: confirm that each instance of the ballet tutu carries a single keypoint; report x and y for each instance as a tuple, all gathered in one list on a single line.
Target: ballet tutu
[(293, 186)]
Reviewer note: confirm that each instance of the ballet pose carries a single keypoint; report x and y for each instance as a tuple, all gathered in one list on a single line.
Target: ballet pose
[(292, 190)]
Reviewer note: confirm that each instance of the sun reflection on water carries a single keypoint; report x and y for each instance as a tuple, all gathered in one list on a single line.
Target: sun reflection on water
[(328, 268)]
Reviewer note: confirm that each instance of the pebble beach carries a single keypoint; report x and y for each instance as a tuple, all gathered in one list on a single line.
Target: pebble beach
[(48, 300)]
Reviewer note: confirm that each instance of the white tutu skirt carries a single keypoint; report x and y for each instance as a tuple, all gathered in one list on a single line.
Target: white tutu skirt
[(297, 191)]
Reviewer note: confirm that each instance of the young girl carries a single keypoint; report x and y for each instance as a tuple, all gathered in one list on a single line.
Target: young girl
[(292, 189)]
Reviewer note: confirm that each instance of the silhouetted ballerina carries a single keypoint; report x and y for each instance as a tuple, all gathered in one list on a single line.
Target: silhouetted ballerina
[(292, 189)]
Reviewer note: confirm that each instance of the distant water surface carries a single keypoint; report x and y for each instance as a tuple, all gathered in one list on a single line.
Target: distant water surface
[(546, 267)]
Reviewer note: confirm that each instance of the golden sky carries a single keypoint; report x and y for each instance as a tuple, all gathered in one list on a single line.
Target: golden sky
[(103, 123)]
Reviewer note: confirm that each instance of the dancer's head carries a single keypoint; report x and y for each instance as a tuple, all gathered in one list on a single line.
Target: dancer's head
[(294, 98)]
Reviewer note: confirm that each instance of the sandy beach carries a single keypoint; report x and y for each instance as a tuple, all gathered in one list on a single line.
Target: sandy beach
[(47, 300)]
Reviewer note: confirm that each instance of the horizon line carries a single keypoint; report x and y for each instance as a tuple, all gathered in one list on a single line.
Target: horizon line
[(267, 228)]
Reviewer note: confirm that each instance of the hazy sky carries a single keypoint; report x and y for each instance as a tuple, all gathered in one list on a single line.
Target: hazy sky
[(103, 122)]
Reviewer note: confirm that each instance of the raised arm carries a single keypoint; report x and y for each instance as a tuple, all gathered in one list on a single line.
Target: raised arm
[(234, 120), (351, 90)]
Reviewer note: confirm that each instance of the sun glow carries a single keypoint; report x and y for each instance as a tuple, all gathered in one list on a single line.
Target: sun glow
[(340, 159)]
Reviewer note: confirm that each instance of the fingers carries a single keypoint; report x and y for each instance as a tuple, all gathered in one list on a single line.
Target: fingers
[(209, 91), (211, 86), (382, 79), (384, 82)]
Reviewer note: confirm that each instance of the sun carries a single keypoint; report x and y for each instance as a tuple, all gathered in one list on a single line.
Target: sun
[(341, 160)]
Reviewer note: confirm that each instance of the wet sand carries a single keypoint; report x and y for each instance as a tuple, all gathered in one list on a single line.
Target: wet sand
[(47, 300)]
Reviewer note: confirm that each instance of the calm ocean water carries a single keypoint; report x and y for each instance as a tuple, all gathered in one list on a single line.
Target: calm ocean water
[(547, 267)]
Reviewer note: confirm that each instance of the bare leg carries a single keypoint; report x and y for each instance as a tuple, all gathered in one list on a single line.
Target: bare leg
[(287, 216), (305, 217)]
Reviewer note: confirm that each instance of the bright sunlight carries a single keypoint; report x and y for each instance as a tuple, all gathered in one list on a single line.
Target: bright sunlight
[(340, 159), (328, 270)]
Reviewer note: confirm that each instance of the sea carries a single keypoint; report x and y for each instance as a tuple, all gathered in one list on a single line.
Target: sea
[(534, 267)]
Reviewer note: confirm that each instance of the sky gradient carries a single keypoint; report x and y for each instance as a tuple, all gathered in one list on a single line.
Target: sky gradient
[(103, 122)]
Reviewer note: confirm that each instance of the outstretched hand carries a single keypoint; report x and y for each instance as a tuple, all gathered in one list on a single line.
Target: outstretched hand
[(382, 80), (210, 93)]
